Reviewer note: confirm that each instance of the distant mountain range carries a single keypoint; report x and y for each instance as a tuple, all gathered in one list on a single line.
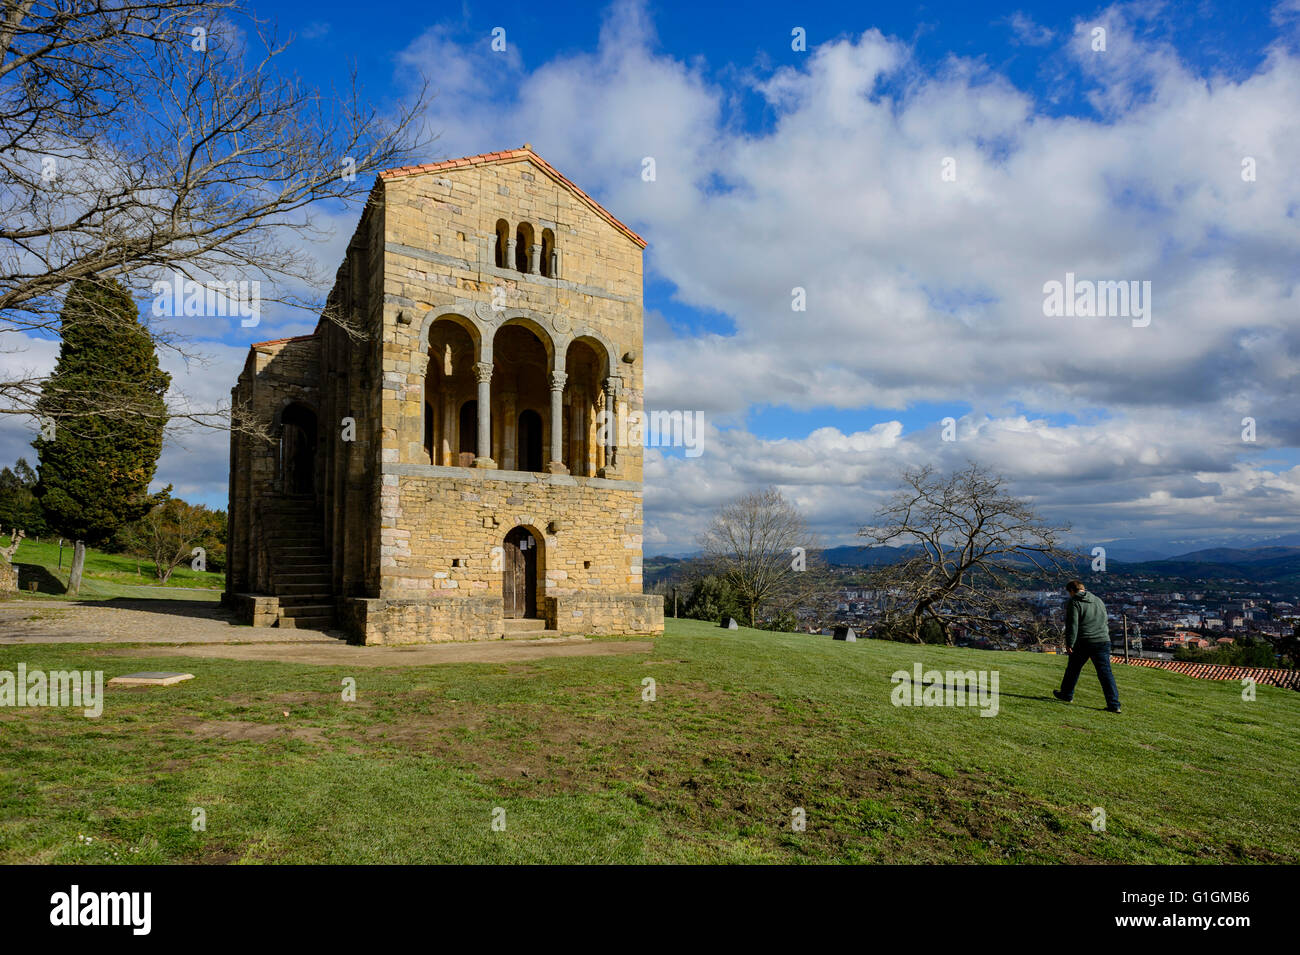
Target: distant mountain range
[(1277, 559), (1275, 562)]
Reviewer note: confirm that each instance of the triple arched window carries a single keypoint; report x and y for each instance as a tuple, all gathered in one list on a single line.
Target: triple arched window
[(523, 250)]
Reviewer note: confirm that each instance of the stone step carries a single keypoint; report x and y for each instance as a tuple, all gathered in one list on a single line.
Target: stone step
[(531, 634), (298, 610), (306, 623), (521, 625), (310, 588)]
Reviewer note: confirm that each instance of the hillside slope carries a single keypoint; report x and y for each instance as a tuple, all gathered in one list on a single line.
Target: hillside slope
[(746, 728)]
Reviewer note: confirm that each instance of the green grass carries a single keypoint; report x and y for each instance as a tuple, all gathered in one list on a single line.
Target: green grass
[(746, 727), (105, 575)]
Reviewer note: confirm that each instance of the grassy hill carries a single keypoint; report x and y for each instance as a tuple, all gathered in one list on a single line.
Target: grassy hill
[(105, 575), (747, 726)]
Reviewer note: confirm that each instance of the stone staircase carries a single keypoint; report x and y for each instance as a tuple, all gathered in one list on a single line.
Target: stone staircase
[(527, 629), (300, 564)]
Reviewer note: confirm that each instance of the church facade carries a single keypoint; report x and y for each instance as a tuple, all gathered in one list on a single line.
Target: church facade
[(435, 461)]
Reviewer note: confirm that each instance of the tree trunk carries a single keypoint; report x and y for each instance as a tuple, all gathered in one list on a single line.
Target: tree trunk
[(74, 575)]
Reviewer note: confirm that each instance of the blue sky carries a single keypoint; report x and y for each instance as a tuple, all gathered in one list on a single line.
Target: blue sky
[(821, 169)]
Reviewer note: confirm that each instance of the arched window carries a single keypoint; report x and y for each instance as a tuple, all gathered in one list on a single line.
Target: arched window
[(523, 246), (468, 430), (548, 253), (502, 243)]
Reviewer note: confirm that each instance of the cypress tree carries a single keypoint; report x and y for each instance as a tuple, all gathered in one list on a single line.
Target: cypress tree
[(102, 415)]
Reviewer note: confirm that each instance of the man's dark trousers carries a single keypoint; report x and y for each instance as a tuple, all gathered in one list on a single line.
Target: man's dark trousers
[(1099, 654)]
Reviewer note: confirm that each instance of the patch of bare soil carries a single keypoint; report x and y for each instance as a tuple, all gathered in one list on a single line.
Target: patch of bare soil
[(242, 730)]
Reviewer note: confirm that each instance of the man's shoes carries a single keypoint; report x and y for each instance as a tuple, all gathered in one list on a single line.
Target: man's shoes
[(1112, 709), (1061, 696)]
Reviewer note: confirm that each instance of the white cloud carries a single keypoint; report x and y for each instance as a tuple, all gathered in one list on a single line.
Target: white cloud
[(921, 290)]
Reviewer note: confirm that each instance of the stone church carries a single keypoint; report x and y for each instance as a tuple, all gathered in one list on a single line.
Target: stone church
[(431, 463)]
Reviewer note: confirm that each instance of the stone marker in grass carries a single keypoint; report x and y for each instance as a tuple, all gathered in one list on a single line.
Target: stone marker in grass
[(729, 623), (846, 633), (150, 678)]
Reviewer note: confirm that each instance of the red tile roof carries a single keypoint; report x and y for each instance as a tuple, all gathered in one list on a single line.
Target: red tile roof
[(514, 155), (1269, 676), (281, 341)]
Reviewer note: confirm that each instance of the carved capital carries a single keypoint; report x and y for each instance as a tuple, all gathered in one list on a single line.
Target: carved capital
[(558, 380), (482, 372)]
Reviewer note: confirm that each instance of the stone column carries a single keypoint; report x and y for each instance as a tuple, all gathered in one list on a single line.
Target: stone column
[(447, 450), (483, 375), (509, 431), (510, 253), (558, 380), (611, 428), (534, 258)]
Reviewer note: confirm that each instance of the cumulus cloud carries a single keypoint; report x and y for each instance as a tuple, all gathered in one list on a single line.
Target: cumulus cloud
[(925, 290), (921, 290)]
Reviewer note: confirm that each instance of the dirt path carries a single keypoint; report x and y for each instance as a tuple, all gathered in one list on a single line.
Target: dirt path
[(190, 628), (125, 620), (334, 653)]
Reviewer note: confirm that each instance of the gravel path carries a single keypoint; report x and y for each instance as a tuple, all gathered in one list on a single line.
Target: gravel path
[(136, 621), (200, 628)]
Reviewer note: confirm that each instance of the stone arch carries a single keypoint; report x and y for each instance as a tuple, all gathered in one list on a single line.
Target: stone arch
[(536, 327), (277, 419), (598, 341), (465, 322), (451, 344)]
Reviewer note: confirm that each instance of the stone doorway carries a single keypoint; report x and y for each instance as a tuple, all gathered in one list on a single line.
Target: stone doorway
[(298, 450), (519, 574)]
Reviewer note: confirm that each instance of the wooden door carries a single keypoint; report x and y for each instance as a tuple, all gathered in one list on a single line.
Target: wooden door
[(519, 574)]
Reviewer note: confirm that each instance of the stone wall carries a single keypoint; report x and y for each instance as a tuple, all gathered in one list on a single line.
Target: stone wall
[(392, 622), (606, 614), (445, 526)]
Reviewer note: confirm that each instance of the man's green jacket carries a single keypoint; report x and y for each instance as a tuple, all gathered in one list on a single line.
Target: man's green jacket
[(1085, 620)]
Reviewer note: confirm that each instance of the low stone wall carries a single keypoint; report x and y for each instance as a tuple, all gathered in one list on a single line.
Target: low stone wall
[(606, 614), (8, 577), (391, 622), (256, 610)]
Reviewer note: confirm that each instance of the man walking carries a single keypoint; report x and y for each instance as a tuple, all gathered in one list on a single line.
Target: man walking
[(1087, 637)]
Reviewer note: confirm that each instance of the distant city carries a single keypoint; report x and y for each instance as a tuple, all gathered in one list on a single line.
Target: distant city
[(1202, 600)]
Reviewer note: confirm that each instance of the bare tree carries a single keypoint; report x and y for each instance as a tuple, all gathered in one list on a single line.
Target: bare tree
[(149, 140), (970, 543), (759, 544)]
